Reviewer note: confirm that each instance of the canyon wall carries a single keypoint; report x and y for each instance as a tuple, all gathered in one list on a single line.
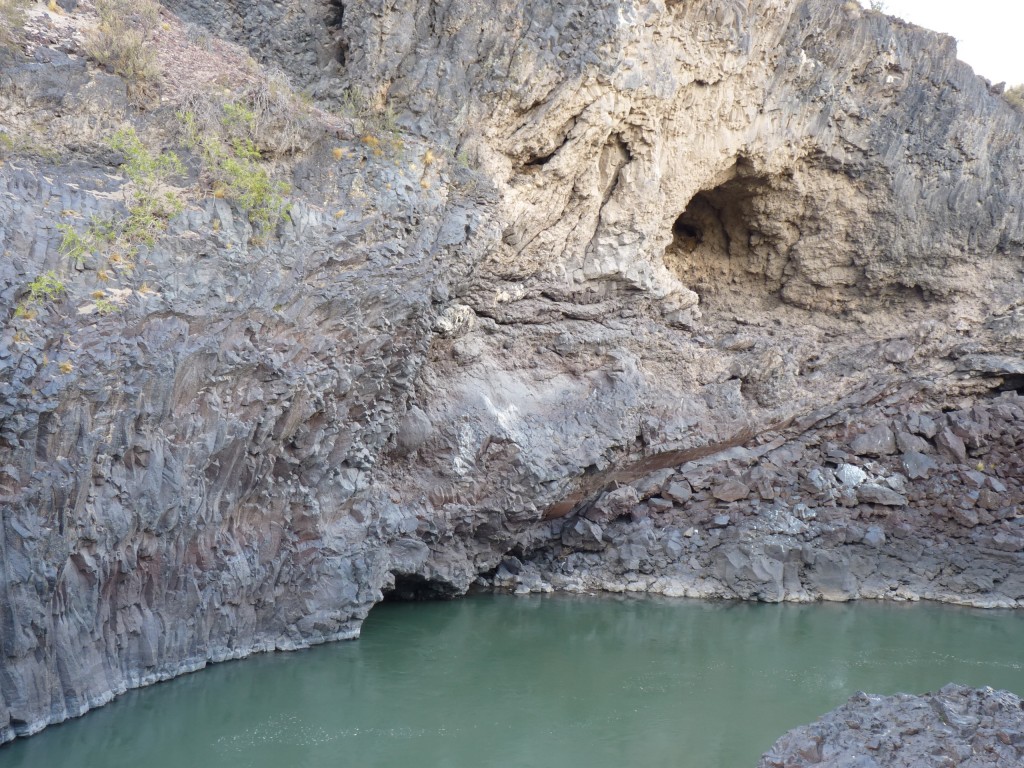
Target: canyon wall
[(709, 298)]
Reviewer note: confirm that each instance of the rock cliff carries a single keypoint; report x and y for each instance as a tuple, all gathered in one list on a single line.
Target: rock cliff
[(711, 298)]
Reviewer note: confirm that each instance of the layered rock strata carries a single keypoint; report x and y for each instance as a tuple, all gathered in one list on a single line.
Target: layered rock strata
[(761, 248)]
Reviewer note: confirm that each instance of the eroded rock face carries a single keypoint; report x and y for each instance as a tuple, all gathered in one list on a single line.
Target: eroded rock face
[(819, 522), (954, 726), (759, 262)]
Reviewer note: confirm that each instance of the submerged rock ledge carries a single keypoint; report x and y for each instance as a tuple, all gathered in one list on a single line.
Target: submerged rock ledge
[(956, 726), (711, 298)]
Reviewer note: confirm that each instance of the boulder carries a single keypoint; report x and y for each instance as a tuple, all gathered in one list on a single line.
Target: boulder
[(413, 431), (980, 728), (908, 443), (652, 484), (584, 535), (731, 490), (850, 475), (872, 493), (613, 504), (918, 465), (678, 491), (877, 441), (951, 445)]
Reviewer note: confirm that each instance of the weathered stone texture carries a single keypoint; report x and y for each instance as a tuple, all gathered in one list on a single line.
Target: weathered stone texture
[(953, 726), (758, 262)]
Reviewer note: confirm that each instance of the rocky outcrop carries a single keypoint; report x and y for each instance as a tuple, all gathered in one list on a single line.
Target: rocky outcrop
[(954, 726), (708, 298), (187, 434), (882, 500)]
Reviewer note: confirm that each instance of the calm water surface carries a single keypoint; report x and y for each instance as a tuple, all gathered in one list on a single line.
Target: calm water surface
[(540, 682)]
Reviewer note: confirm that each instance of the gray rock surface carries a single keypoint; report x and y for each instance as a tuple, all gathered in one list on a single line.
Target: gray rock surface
[(948, 536), (691, 249), (956, 726)]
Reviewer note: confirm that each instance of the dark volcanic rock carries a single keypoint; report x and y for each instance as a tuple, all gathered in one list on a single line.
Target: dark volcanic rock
[(872, 493), (877, 441), (548, 249), (957, 726), (731, 490), (918, 465)]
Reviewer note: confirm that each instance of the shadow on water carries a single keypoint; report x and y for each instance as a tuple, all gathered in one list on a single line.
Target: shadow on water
[(554, 680)]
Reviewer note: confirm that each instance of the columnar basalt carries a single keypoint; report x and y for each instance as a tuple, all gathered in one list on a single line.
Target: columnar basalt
[(713, 298)]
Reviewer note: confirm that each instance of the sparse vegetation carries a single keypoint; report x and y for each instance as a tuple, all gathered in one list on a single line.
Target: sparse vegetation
[(122, 39), (27, 144), (78, 246), (46, 287), (1015, 95), (378, 125), (43, 289), (105, 306), (235, 165), (12, 20), (151, 202)]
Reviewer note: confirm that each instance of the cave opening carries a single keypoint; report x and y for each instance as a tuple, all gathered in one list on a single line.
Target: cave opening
[(411, 588), (335, 23), (1012, 383), (729, 242)]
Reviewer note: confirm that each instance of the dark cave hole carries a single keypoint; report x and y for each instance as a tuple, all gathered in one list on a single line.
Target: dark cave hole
[(685, 231), (724, 243), (335, 22), (411, 587), (1012, 383), (540, 160)]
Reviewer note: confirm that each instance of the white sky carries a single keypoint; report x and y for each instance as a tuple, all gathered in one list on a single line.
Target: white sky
[(988, 32)]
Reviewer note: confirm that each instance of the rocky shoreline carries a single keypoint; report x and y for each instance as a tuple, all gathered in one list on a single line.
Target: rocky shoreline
[(955, 726)]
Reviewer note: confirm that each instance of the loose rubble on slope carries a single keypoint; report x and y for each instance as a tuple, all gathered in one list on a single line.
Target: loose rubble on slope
[(883, 501)]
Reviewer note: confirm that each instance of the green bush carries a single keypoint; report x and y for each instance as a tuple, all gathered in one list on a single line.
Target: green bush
[(44, 289), (78, 246), (151, 205), (235, 164), (150, 200)]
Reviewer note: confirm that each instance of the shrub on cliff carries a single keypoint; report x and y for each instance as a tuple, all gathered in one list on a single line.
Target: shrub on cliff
[(121, 40), (1015, 95), (12, 19), (234, 164), (151, 199), (152, 203)]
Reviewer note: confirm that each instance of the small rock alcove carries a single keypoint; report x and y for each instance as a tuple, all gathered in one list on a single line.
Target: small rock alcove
[(731, 241), (335, 23), (415, 588)]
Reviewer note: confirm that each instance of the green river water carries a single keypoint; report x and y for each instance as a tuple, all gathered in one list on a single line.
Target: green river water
[(539, 682)]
